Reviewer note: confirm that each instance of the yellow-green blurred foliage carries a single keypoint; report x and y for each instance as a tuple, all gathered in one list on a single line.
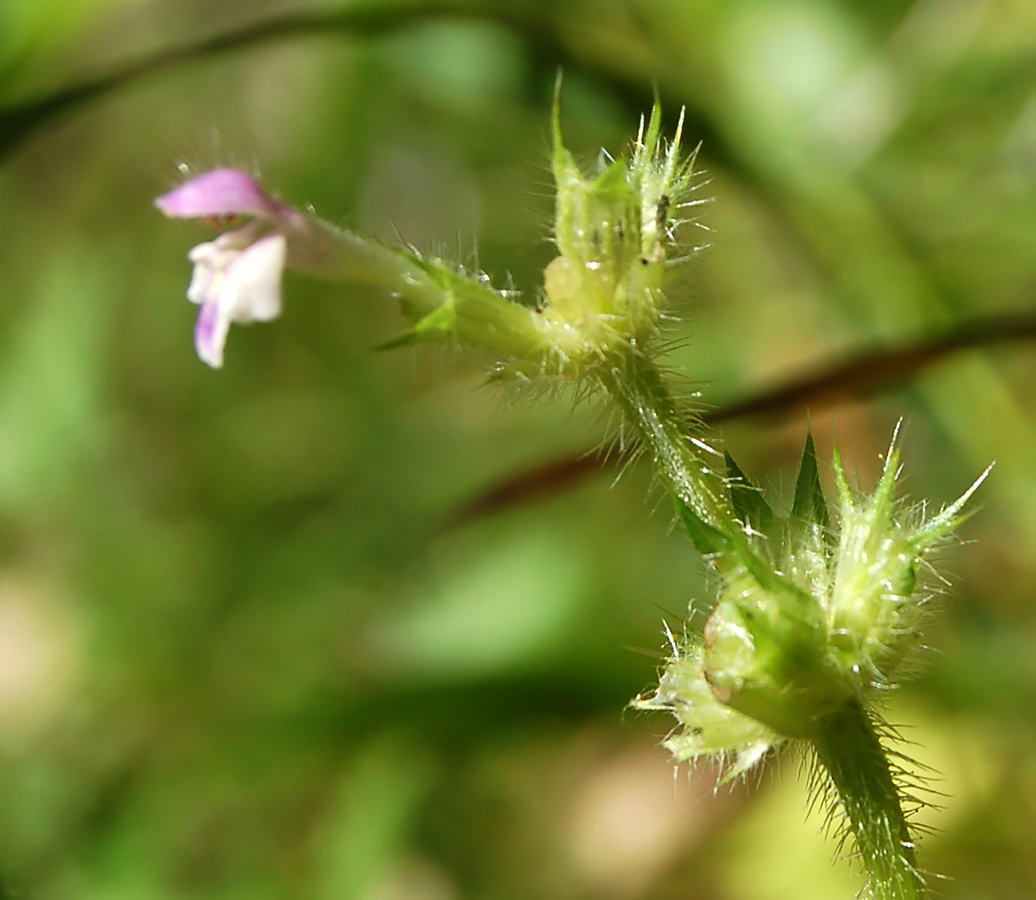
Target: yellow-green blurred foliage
[(248, 648)]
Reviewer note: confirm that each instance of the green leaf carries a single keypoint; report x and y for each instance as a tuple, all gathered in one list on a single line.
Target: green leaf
[(748, 501), (438, 326), (707, 539), (809, 505), (731, 553)]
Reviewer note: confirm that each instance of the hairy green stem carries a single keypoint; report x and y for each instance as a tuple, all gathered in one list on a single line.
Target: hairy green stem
[(636, 385), (848, 747)]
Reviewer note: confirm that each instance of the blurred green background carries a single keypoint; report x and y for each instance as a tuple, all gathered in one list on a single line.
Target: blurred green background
[(251, 645)]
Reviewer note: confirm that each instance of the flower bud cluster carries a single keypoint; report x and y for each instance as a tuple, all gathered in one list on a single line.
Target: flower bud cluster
[(613, 232), (602, 294), (815, 611)]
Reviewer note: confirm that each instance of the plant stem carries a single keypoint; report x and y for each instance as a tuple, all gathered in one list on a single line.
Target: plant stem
[(849, 749), (636, 385)]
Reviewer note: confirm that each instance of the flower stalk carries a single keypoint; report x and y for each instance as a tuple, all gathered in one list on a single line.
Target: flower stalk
[(637, 388), (237, 276), (850, 751)]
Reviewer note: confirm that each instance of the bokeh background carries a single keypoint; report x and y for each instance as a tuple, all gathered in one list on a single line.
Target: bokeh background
[(261, 633)]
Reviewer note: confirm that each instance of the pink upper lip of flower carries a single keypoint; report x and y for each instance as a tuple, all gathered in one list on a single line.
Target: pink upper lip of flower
[(221, 192), (237, 276)]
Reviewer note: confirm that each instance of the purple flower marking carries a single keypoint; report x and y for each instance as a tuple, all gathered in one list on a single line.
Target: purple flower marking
[(237, 277)]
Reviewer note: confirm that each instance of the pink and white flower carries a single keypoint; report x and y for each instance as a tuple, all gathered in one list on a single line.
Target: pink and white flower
[(237, 276)]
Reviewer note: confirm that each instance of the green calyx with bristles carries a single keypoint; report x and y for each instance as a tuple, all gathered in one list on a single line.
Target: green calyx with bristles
[(615, 232), (816, 614), (815, 610), (707, 727), (875, 609)]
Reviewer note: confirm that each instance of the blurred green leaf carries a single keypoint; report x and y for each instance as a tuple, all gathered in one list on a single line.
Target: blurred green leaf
[(371, 814), (510, 605), (52, 416)]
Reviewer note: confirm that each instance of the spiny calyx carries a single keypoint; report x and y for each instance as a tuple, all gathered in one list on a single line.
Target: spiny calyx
[(815, 611), (615, 231)]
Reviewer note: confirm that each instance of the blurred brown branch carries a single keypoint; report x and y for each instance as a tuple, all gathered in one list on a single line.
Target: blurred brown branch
[(875, 372), (532, 20), (824, 388)]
